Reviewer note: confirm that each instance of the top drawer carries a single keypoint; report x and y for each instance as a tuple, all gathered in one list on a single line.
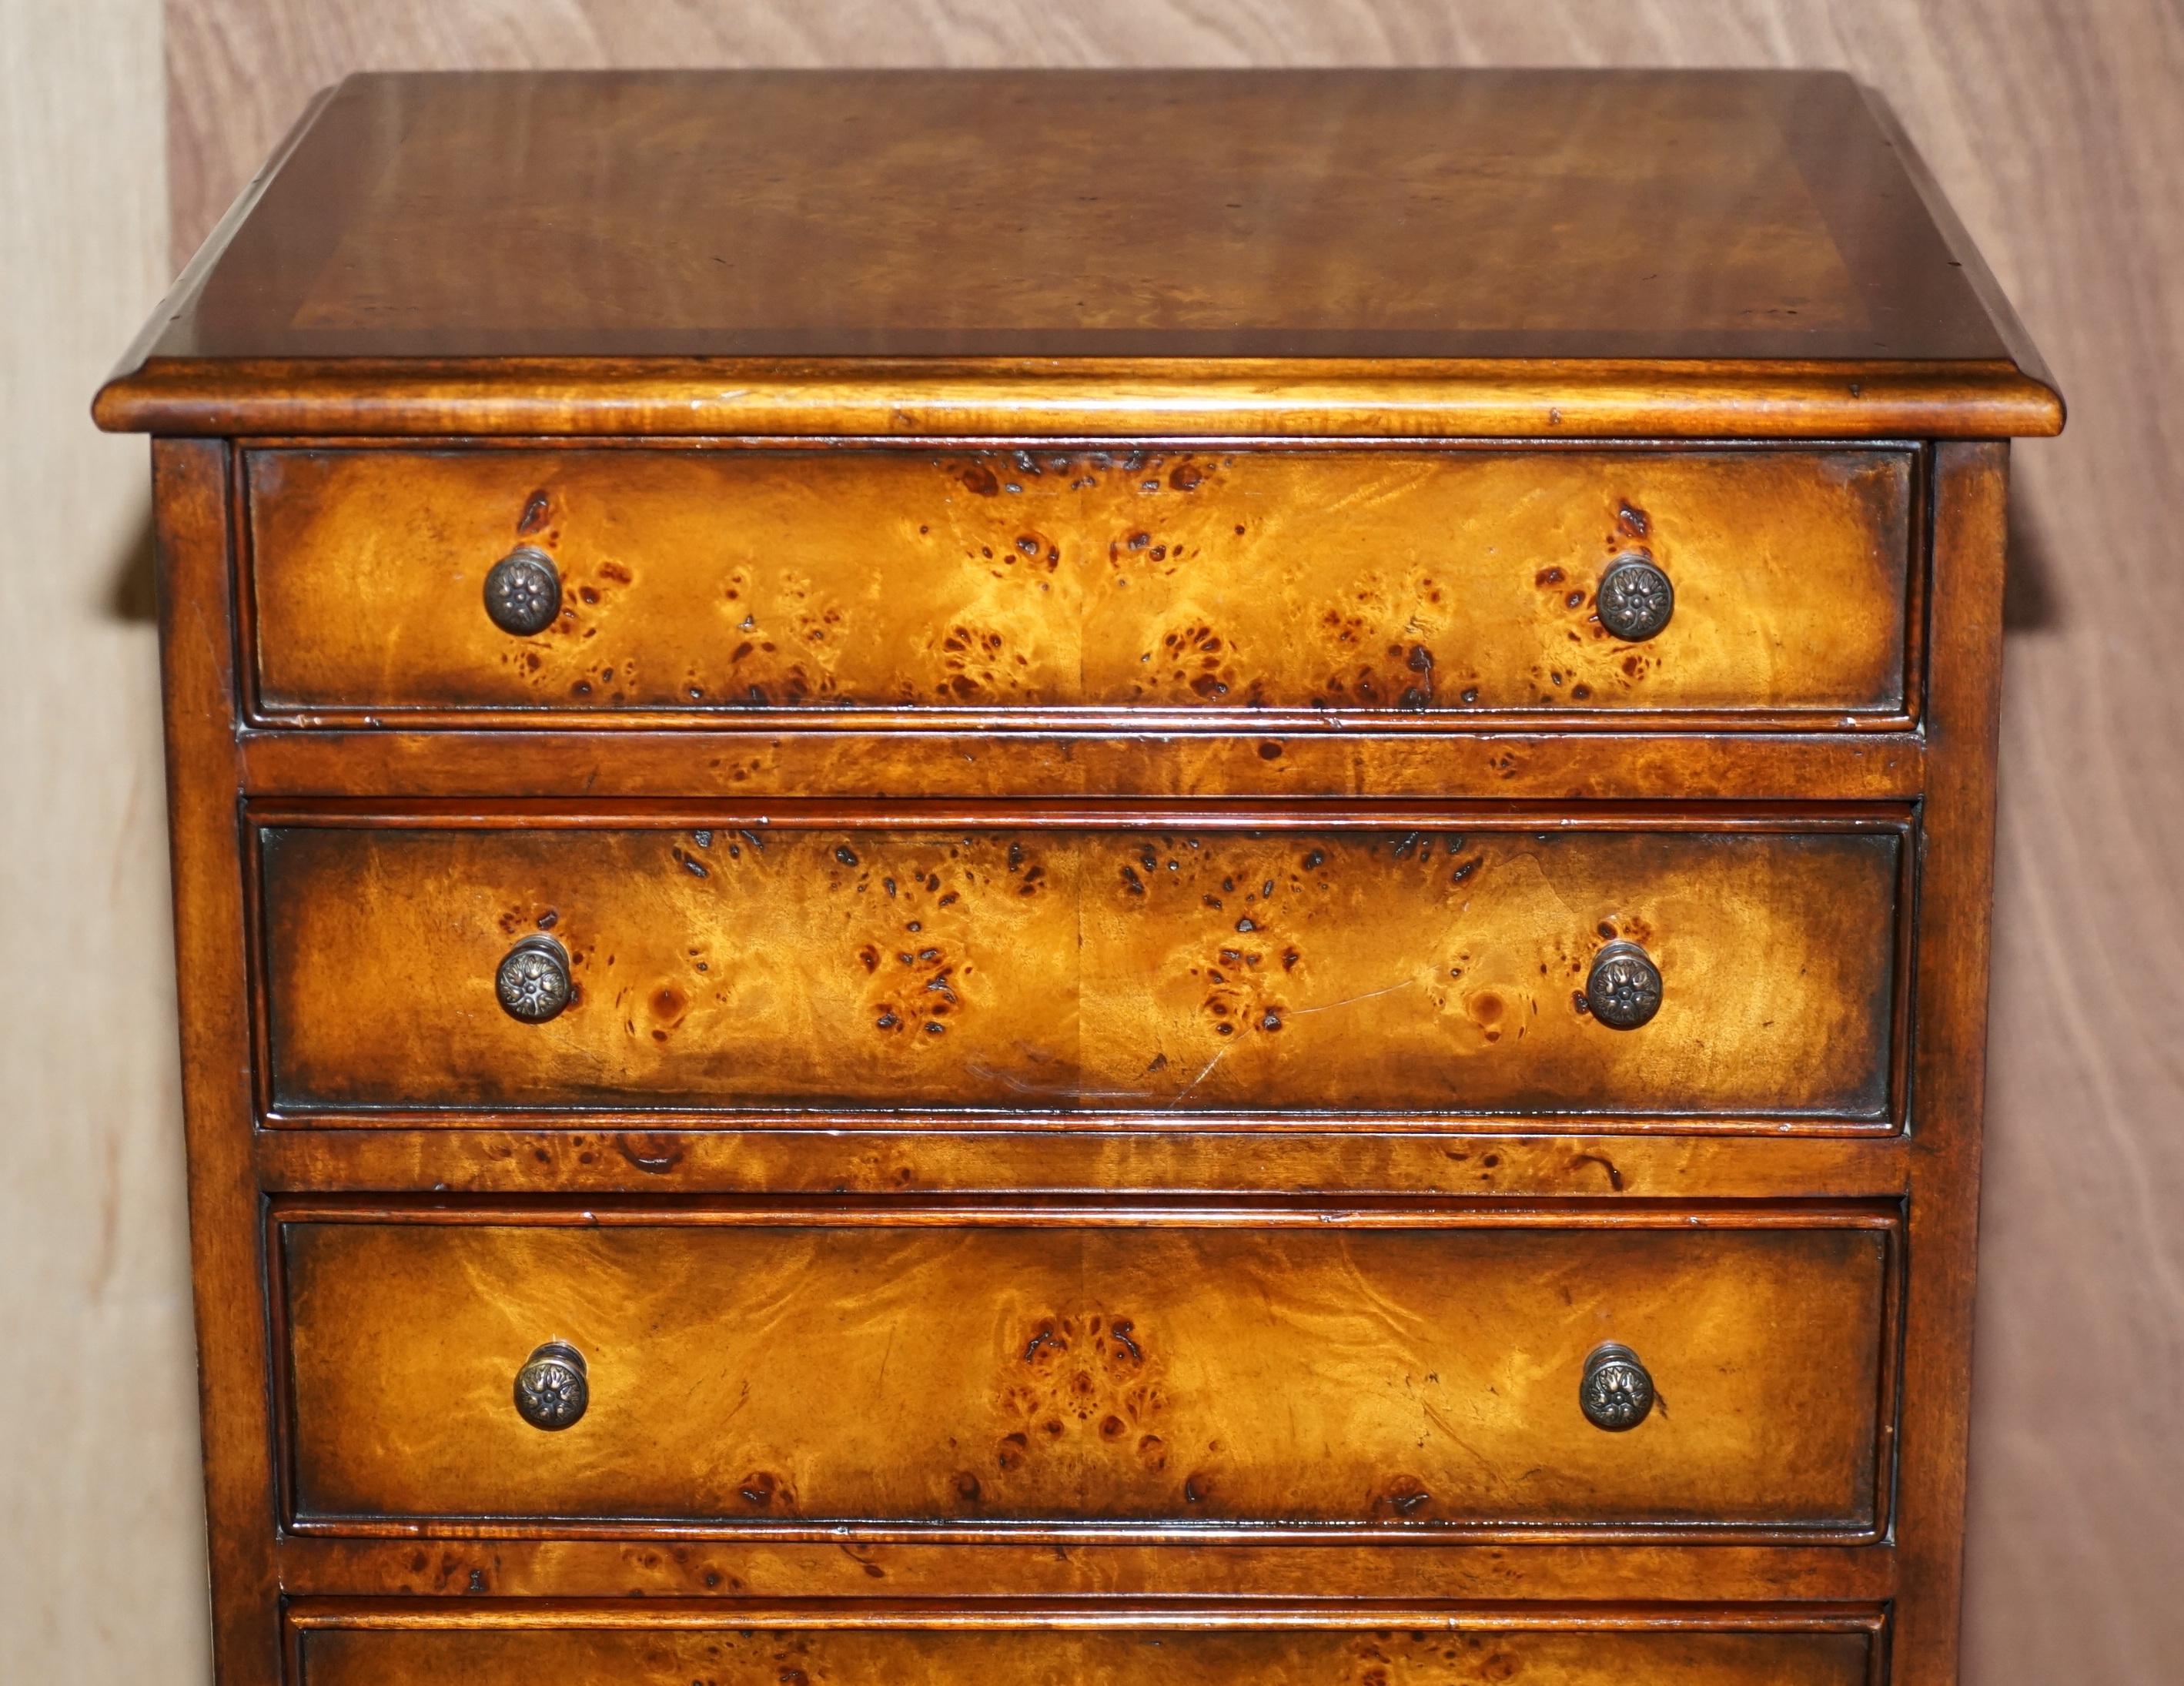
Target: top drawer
[(877, 587)]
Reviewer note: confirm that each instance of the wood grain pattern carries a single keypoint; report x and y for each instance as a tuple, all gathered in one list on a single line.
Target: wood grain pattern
[(749, 1375), (1328, 218), (200, 690), (1318, 214), (1971, 495), (1026, 969), (1424, 1655), (914, 1153), (1697, 1569), (1200, 583), (1605, 398), (1530, 764)]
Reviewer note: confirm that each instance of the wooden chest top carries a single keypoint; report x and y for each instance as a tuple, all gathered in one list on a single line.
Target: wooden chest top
[(1362, 252)]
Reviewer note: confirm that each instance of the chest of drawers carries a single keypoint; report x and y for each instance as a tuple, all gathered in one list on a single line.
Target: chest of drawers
[(1103, 878)]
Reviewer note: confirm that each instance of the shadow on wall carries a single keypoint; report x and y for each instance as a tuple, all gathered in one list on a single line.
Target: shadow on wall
[(2029, 603), (134, 592)]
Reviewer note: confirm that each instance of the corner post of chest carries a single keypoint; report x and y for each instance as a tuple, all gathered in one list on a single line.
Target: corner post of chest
[(193, 509), (1956, 880)]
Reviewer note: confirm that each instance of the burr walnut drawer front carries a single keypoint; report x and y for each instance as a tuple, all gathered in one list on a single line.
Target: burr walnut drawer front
[(1425, 1646), (1556, 966), (899, 1367), (888, 585)]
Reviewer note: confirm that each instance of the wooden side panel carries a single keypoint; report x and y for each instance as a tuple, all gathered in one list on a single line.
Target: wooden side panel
[(1955, 845), (1425, 1655), (191, 486), (897, 1371), (1179, 971), (1206, 581)]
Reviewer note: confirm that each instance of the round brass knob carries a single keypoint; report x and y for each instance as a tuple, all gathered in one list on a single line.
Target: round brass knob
[(1616, 1393), (551, 1392), (532, 982), (523, 591), (1623, 989), (1635, 598)]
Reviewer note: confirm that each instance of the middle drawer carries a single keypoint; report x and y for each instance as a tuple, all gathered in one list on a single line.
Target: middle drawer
[(1520, 966)]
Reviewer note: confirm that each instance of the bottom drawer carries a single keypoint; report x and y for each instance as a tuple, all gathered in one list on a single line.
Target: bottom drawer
[(1392, 1648)]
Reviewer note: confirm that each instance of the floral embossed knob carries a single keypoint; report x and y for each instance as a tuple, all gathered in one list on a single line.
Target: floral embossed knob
[(1635, 598), (532, 982), (523, 591), (551, 1390), (1616, 1393), (1623, 989)]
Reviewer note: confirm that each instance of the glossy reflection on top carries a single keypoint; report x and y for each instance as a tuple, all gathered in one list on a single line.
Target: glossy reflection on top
[(1187, 214)]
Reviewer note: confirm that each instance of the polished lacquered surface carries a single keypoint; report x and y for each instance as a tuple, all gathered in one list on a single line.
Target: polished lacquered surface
[(1169, 213), (900, 1366), (1242, 587), (1170, 970)]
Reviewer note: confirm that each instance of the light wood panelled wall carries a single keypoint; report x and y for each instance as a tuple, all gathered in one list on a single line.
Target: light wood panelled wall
[(102, 1576), (2053, 125)]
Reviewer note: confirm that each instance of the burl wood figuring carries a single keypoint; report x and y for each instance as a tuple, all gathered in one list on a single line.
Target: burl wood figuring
[(1111, 877)]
